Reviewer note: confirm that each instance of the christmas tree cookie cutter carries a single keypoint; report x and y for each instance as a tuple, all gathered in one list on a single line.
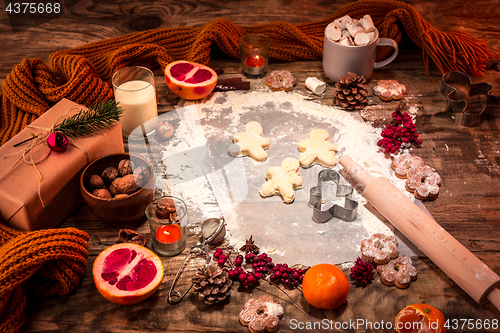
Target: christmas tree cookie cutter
[(348, 212), (471, 118)]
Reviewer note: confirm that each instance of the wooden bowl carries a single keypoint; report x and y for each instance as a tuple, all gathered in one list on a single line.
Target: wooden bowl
[(129, 208)]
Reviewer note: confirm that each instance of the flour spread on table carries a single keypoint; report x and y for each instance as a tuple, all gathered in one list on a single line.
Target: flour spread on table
[(197, 163)]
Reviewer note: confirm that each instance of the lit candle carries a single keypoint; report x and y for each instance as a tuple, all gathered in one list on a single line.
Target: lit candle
[(169, 233), (255, 61)]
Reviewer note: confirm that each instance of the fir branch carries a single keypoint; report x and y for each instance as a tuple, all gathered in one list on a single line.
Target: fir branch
[(95, 118)]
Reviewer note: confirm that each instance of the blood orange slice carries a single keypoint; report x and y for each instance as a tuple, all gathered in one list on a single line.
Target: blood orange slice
[(127, 273), (421, 318), (190, 80)]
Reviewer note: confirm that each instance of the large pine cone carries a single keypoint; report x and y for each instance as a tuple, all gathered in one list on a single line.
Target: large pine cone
[(212, 284), (352, 92)]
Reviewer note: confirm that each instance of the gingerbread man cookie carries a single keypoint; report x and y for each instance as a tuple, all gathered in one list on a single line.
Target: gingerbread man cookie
[(250, 143), (389, 90), (261, 314), (317, 150), (283, 180)]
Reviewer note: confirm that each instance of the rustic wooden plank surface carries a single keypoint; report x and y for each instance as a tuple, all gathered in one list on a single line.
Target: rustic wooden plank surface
[(467, 160)]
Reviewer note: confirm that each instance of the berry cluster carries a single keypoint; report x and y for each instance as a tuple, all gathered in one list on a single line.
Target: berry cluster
[(402, 133), (254, 267)]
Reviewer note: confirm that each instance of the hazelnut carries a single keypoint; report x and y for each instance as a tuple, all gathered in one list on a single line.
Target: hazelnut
[(165, 208), (164, 131), (126, 184), (96, 182), (125, 167), (109, 174), (141, 175), (102, 193), (112, 187)]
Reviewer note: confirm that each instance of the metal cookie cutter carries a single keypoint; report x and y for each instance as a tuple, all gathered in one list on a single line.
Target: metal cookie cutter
[(471, 118), (350, 209)]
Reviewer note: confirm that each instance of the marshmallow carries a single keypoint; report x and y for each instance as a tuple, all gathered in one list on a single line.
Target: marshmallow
[(315, 85), (346, 41), (367, 23), (341, 22), (333, 32), (372, 35), (361, 39), (354, 28)]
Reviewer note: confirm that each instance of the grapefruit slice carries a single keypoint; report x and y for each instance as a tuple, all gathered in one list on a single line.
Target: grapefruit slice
[(420, 318), (190, 80), (127, 273)]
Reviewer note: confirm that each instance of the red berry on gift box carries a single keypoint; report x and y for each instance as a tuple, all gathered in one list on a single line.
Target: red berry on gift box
[(57, 141)]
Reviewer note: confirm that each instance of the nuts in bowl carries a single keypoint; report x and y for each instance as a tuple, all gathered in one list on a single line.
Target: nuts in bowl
[(118, 187)]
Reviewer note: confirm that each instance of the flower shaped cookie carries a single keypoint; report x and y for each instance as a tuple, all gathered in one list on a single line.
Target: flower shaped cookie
[(261, 314)]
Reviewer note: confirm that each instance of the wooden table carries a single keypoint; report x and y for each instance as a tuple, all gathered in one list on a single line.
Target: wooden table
[(467, 159)]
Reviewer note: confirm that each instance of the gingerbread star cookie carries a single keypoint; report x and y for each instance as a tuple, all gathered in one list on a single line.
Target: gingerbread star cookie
[(317, 150), (283, 180), (250, 143)]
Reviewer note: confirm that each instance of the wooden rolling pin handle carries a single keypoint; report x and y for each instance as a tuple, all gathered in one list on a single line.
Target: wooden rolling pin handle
[(463, 267)]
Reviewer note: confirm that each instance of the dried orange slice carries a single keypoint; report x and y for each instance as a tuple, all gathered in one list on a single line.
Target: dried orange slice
[(127, 273), (325, 286), (190, 80), (421, 318)]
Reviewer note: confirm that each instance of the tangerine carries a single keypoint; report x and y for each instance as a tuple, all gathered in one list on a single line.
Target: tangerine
[(325, 286), (190, 80), (421, 318), (127, 273)]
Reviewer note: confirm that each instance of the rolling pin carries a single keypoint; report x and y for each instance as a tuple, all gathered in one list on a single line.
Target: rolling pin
[(463, 267)]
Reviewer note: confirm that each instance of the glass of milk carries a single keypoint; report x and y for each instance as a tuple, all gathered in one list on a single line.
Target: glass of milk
[(134, 89)]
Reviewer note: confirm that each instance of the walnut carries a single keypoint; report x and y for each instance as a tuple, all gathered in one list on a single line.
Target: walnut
[(120, 195), (109, 174), (96, 182), (164, 131), (125, 167), (131, 236), (112, 187), (165, 208), (142, 175), (126, 184), (102, 193)]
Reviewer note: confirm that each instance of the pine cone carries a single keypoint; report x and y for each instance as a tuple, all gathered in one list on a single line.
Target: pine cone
[(352, 92), (212, 284)]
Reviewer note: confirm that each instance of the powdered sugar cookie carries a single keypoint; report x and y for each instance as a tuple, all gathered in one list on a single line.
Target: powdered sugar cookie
[(423, 182), (283, 180), (399, 272), (261, 315), (281, 80), (250, 143), (389, 90), (317, 150), (404, 162), (379, 248)]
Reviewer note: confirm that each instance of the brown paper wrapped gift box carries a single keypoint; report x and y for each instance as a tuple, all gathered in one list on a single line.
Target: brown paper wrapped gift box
[(20, 204)]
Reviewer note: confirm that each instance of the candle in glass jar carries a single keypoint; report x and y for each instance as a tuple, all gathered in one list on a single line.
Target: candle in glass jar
[(169, 233), (254, 54)]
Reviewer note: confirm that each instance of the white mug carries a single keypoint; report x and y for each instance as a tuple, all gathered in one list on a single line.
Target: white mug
[(338, 59)]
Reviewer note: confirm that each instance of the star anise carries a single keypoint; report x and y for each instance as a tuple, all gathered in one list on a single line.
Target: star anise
[(249, 246)]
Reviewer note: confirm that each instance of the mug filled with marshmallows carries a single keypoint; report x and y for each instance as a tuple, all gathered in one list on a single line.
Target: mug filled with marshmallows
[(350, 45)]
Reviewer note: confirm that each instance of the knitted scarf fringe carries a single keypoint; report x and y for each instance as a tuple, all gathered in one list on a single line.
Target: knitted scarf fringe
[(44, 262), (81, 74)]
